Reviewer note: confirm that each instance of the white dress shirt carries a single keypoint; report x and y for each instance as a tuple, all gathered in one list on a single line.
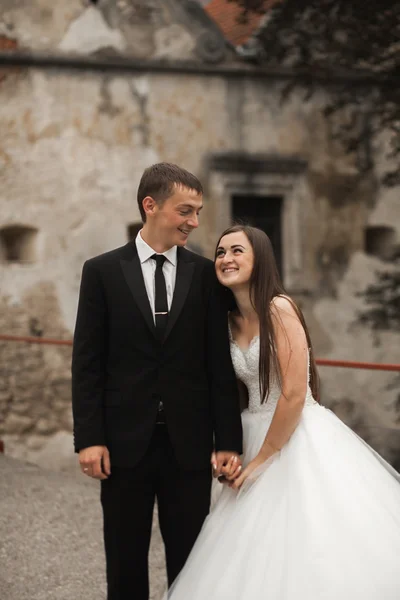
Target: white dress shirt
[(149, 268)]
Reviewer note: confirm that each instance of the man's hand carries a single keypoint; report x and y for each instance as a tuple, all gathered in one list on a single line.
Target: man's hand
[(95, 462), (227, 464)]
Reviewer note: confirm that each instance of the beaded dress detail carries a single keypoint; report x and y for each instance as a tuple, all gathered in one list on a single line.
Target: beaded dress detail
[(246, 365)]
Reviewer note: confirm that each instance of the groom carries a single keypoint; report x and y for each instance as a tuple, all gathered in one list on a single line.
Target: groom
[(154, 392)]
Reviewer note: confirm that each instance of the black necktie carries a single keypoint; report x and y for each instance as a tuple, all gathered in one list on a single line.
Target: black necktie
[(160, 300)]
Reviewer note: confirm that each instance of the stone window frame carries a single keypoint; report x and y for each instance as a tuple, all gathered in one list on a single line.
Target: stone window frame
[(263, 175)]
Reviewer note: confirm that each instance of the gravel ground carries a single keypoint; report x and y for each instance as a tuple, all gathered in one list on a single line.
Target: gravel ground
[(51, 543)]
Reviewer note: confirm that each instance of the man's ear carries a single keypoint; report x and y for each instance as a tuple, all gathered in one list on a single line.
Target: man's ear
[(149, 205)]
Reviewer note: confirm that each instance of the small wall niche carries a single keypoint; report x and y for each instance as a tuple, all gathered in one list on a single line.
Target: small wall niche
[(133, 229), (18, 244), (380, 241)]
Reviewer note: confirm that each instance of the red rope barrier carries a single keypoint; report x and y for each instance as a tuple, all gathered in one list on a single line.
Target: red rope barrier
[(322, 362), (350, 364), (35, 340)]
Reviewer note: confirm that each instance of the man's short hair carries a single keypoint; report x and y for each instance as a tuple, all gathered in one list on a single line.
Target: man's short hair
[(159, 180)]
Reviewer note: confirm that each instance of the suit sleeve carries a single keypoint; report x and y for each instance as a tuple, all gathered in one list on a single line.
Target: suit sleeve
[(88, 361), (223, 387)]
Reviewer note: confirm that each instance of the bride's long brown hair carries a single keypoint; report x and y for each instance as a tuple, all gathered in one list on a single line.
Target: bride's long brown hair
[(265, 285)]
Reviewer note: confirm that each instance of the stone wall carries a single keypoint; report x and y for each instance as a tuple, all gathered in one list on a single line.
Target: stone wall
[(35, 398), (73, 146)]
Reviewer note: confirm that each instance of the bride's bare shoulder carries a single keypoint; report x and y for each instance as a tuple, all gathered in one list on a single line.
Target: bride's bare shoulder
[(283, 306)]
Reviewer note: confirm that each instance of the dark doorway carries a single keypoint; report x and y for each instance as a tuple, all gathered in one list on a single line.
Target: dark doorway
[(264, 212)]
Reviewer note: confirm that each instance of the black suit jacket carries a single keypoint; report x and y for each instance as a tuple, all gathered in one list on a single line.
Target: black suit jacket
[(121, 371)]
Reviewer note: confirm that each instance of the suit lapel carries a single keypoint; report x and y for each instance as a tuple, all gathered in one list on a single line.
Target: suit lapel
[(132, 271), (184, 275)]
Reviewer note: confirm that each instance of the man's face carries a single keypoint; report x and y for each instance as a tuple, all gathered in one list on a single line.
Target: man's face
[(174, 220)]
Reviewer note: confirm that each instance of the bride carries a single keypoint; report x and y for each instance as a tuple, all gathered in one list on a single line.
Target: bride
[(314, 514)]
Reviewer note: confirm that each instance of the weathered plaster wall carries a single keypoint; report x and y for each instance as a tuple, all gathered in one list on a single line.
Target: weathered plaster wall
[(155, 28), (72, 150)]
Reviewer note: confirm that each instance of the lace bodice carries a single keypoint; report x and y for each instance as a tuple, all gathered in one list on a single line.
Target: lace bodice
[(245, 363)]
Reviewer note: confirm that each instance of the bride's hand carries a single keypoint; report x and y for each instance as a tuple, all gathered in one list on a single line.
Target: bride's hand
[(231, 470), (252, 466)]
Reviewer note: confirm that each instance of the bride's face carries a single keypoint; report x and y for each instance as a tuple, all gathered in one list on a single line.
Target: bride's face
[(234, 260)]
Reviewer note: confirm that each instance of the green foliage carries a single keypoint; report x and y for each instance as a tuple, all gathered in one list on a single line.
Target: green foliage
[(336, 37), (383, 299), (349, 37)]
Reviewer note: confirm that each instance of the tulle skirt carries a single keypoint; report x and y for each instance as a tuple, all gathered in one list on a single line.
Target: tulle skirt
[(320, 521)]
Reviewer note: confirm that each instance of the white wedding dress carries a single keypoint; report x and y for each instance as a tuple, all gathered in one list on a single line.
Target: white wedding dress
[(320, 522)]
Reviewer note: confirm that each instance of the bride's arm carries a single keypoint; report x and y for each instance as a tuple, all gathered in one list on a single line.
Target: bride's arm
[(292, 354)]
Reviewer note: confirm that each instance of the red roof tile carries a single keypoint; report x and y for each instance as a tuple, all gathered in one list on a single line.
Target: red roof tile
[(227, 16)]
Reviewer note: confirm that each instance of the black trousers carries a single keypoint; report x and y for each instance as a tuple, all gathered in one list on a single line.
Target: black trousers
[(128, 497)]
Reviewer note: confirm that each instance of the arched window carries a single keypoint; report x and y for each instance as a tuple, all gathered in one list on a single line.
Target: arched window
[(18, 243), (133, 229)]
